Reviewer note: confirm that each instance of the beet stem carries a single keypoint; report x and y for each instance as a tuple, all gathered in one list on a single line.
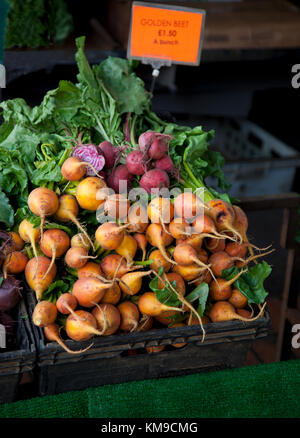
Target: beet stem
[(252, 319), (104, 318), (78, 224), (184, 301), (52, 262)]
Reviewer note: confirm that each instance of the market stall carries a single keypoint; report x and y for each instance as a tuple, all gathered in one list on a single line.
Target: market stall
[(129, 259)]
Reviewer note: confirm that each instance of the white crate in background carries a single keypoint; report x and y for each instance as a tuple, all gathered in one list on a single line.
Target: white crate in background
[(257, 163)]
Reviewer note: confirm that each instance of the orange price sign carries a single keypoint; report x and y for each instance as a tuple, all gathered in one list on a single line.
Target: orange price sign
[(166, 32)]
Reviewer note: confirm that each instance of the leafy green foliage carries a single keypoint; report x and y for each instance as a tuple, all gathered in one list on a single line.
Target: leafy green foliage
[(37, 23), (165, 295), (34, 142), (22, 28), (60, 21), (251, 283), (58, 287), (99, 105), (45, 173), (199, 297), (52, 225), (126, 88), (223, 196), (54, 291), (109, 90), (24, 213), (214, 165), (6, 211), (189, 150), (197, 143)]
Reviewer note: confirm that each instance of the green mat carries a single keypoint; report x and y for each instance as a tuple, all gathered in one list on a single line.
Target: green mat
[(3, 13), (260, 391)]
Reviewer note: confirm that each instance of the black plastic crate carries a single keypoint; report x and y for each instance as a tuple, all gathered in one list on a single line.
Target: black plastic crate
[(108, 362), (14, 363)]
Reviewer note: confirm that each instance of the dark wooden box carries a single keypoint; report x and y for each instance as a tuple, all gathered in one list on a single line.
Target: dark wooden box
[(13, 364), (108, 362)]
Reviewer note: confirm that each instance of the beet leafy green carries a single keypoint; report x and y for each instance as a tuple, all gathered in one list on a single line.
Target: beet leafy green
[(108, 102), (251, 283)]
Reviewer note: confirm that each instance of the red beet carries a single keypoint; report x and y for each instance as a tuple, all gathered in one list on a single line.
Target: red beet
[(136, 163), (10, 293), (154, 179), (154, 144), (164, 163), (145, 140), (158, 148), (109, 152), (118, 177)]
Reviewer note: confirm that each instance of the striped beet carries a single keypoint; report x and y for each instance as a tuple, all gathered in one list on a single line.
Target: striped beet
[(89, 154)]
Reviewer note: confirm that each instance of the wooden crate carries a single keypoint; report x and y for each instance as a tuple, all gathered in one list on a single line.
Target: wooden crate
[(110, 360)]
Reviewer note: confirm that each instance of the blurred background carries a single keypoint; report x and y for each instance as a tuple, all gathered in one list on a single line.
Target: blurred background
[(242, 89)]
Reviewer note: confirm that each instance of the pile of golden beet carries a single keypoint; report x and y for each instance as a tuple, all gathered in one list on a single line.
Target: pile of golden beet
[(182, 242)]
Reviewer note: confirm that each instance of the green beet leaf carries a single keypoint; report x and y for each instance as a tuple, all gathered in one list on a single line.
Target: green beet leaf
[(52, 225), (127, 89), (47, 172), (214, 168), (6, 210), (251, 283), (166, 295), (58, 287), (200, 293)]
